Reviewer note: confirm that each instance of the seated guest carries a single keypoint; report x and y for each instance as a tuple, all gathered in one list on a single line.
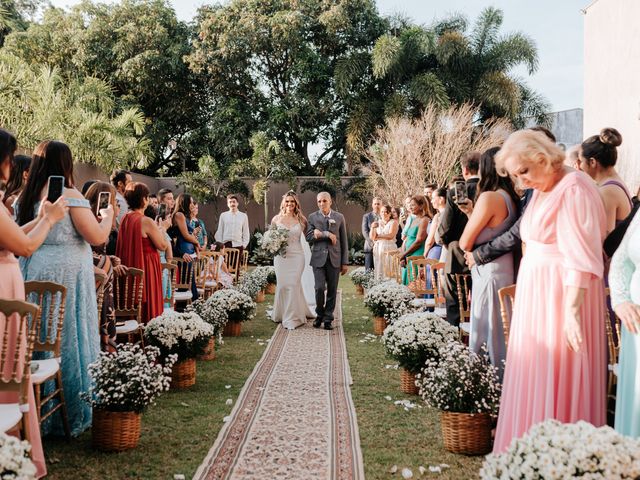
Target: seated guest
[(66, 258), (224, 277), (139, 240), (19, 172)]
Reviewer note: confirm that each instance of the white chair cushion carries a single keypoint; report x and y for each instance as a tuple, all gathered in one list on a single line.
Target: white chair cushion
[(129, 326), (182, 296), (441, 312), (614, 368), (424, 302), (466, 327), (46, 369), (210, 283), (10, 415)]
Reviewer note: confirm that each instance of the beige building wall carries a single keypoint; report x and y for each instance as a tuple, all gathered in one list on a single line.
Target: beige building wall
[(612, 77)]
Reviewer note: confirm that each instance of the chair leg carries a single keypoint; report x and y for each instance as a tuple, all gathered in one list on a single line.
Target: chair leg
[(63, 409), (37, 392)]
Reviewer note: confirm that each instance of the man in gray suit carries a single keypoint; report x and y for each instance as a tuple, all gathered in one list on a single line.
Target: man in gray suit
[(327, 235), (367, 219)]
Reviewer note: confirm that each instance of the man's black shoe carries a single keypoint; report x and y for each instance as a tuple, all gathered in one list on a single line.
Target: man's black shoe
[(327, 326), (317, 323)]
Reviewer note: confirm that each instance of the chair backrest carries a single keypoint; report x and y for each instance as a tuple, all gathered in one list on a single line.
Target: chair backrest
[(388, 266), (100, 278), (202, 268), (186, 272), (464, 295), (167, 294), (438, 279), (419, 275), (18, 326), (232, 257), (127, 295), (50, 297), (613, 346), (245, 260), (507, 296)]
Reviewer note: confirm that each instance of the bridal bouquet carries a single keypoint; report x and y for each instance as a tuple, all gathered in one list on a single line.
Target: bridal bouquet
[(552, 451), (184, 334), (15, 463), (274, 241)]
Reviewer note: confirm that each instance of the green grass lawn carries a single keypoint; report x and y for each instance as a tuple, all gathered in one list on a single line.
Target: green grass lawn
[(178, 431)]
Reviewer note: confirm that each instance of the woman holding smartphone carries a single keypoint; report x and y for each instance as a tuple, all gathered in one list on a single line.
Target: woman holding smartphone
[(66, 258)]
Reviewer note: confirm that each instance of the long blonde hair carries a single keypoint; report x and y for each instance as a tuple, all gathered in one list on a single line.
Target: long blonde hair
[(297, 212)]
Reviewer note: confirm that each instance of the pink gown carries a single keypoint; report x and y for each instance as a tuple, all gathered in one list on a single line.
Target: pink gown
[(12, 288), (544, 378)]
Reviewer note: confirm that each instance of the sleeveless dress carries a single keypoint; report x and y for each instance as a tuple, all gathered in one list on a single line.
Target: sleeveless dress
[(289, 306), (138, 252), (379, 249), (624, 279), (184, 246), (12, 288), (543, 377), (66, 258), (411, 232), (487, 279)]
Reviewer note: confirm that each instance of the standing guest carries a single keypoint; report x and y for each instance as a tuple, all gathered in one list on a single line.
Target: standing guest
[(187, 244), (432, 247), (233, 226), (406, 217), (14, 240), (20, 166), (367, 220), (166, 255), (428, 190), (396, 214), (556, 358), (383, 234), (416, 234), (199, 229), (452, 223), (165, 196), (572, 157), (120, 179), (110, 266), (494, 211), (153, 200), (598, 155), (66, 258), (625, 299), (139, 240), (438, 201)]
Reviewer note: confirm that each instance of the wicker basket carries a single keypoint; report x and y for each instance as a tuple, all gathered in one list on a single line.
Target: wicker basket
[(270, 289), (379, 324), (115, 431), (183, 374), (260, 298), (209, 351), (408, 382), (232, 329), (466, 433), (359, 289)]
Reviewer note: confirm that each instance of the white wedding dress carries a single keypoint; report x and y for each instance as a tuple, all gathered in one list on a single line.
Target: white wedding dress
[(295, 297)]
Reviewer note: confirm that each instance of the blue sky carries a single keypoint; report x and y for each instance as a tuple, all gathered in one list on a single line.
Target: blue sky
[(555, 25)]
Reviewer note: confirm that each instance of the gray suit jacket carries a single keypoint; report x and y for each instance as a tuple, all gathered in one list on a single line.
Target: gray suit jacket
[(321, 248), (367, 220)]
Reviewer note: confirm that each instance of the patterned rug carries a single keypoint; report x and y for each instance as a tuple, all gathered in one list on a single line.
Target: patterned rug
[(294, 418)]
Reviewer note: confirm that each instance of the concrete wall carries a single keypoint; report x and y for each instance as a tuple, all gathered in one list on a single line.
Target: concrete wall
[(566, 125), (612, 78), (209, 212)]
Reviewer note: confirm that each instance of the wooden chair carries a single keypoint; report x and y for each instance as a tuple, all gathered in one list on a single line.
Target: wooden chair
[(207, 273), (186, 271), (127, 298), (232, 257), (388, 267), (245, 260), (507, 296), (18, 337), (50, 298), (463, 280), (167, 294), (438, 279), (100, 278), (614, 351), (419, 276)]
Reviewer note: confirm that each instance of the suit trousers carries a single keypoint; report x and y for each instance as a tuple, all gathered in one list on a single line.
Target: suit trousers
[(326, 277), (455, 264), (368, 260)]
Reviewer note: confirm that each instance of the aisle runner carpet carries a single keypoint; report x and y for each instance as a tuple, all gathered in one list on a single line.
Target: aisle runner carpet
[(294, 418)]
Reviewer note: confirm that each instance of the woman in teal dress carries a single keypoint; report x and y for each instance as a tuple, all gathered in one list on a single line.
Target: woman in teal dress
[(65, 257), (624, 282), (416, 233)]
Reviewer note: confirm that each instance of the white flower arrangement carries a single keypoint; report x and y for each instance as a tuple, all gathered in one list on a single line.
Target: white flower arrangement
[(210, 313), (231, 305), (250, 283), (15, 463), (184, 334), (460, 381), (128, 380), (389, 300), (260, 275), (274, 241), (271, 274), (414, 338), (361, 276), (552, 451)]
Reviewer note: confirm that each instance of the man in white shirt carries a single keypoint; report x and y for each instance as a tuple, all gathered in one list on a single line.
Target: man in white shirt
[(120, 179), (233, 226)]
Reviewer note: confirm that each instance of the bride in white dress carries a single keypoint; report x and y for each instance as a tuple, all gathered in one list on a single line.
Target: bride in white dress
[(290, 306)]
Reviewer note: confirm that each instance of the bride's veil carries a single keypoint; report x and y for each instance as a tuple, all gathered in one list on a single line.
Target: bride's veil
[(308, 282)]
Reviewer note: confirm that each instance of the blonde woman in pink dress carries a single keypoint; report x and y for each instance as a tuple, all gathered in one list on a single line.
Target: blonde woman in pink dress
[(556, 357)]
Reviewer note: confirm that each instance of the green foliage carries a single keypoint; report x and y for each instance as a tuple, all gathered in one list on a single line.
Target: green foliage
[(39, 104)]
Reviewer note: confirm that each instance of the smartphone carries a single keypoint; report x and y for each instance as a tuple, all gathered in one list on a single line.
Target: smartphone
[(460, 192), (104, 199), (55, 188), (162, 211)]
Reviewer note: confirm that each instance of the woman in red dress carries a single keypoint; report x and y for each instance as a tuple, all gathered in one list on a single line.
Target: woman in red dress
[(139, 240)]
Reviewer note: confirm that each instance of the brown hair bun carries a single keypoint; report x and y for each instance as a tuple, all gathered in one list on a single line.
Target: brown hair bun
[(610, 136)]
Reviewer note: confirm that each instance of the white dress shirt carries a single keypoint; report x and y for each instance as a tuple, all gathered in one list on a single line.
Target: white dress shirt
[(234, 228)]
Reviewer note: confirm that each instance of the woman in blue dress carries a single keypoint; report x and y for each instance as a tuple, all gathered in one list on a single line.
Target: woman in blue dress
[(65, 257), (187, 244)]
